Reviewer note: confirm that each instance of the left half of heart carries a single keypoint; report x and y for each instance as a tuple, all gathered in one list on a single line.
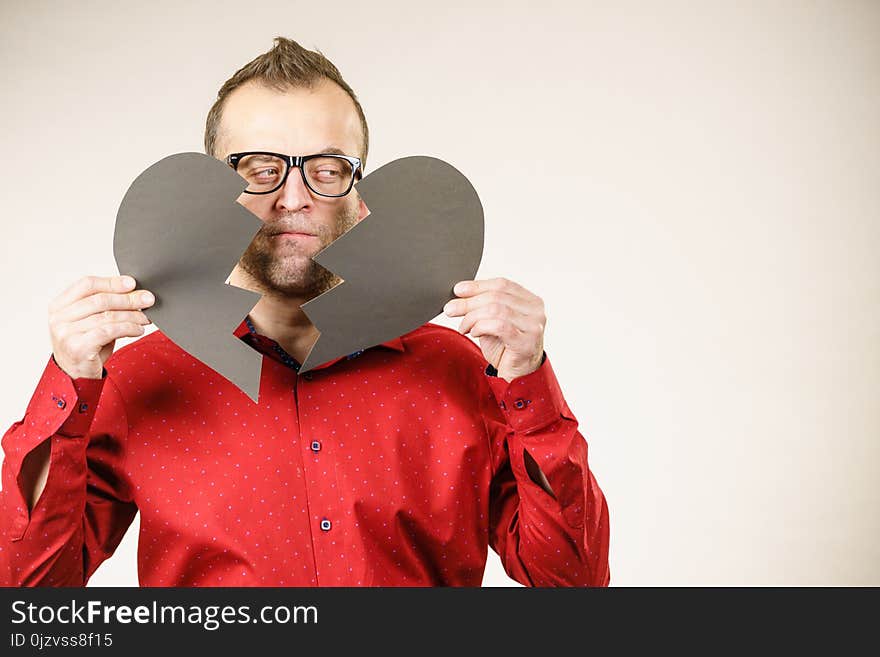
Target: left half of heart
[(179, 233)]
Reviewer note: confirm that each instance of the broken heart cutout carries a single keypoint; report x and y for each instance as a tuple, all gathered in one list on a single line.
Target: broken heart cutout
[(180, 232)]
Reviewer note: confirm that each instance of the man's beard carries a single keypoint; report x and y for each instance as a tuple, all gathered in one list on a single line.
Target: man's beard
[(284, 267)]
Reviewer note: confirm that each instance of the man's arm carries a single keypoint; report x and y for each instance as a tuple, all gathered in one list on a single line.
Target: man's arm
[(56, 532), (549, 519), (548, 516)]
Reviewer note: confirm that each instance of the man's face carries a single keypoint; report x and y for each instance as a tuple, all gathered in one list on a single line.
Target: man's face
[(297, 224)]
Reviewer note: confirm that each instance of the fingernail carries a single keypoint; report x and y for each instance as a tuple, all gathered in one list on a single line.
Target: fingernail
[(127, 282), (460, 288), (147, 297)]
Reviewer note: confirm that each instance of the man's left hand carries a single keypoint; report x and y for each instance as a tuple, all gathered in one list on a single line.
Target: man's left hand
[(507, 319)]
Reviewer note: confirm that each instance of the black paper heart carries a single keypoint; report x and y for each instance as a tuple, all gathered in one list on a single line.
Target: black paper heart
[(180, 233), (424, 233)]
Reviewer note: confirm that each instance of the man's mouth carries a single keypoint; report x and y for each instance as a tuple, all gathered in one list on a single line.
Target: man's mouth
[(292, 235)]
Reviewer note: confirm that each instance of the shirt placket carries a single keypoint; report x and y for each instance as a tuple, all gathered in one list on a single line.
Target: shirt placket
[(321, 482)]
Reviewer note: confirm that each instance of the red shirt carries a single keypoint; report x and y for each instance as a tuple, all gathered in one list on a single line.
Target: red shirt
[(397, 466)]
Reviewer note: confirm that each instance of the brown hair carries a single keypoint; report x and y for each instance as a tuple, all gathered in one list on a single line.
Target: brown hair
[(286, 65)]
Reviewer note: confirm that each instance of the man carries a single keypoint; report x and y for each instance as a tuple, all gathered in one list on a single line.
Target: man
[(395, 466)]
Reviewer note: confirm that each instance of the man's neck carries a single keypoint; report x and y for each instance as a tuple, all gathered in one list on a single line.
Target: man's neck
[(279, 318)]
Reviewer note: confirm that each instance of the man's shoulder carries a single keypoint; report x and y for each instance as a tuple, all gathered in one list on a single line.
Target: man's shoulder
[(434, 339), (153, 346)]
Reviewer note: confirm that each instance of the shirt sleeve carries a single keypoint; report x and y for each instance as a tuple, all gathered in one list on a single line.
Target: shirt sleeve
[(543, 539), (86, 505)]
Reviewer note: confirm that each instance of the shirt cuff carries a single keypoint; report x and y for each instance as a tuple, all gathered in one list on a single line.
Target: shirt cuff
[(532, 401), (63, 405)]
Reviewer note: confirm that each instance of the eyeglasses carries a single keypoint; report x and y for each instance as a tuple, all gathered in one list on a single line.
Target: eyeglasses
[(325, 174)]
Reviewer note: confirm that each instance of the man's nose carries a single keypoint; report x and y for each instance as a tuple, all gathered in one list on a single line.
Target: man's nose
[(294, 195)]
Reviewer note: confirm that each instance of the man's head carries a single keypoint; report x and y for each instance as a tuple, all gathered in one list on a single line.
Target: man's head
[(292, 101)]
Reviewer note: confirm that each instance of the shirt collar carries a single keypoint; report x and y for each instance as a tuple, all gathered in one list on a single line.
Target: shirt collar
[(246, 328)]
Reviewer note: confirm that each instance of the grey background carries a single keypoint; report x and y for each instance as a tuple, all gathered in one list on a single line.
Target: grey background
[(693, 188)]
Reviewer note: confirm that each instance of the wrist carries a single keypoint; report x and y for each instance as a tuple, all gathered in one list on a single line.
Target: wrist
[(79, 372), (509, 374)]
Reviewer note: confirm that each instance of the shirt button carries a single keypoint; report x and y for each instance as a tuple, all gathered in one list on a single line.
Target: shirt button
[(325, 525), (316, 446), (307, 376), (520, 403), (83, 407), (61, 403)]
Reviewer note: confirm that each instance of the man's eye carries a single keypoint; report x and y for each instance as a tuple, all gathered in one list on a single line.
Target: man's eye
[(270, 172), (328, 173)]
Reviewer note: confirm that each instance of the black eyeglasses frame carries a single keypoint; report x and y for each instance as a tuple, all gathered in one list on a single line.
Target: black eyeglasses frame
[(297, 161)]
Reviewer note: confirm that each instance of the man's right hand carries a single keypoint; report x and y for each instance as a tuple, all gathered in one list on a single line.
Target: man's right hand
[(86, 320)]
